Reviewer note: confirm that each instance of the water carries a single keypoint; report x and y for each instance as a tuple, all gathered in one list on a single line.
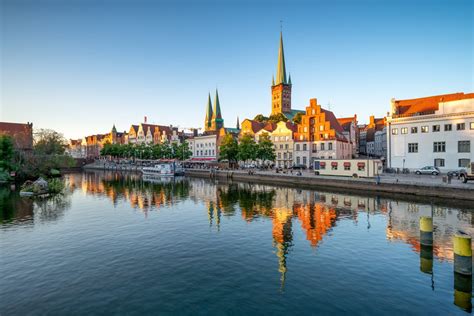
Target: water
[(114, 244)]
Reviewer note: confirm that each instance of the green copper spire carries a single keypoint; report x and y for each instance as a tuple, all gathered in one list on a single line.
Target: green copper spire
[(289, 79), (209, 113), (238, 123), (217, 108), (281, 70), (114, 130), (273, 81)]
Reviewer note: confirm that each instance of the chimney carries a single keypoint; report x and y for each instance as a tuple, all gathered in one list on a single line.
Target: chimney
[(144, 120)]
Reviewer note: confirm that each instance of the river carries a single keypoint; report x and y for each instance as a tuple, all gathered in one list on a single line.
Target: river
[(119, 244)]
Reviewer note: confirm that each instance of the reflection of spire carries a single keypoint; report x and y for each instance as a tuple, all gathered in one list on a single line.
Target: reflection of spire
[(217, 211), (282, 236), (210, 212)]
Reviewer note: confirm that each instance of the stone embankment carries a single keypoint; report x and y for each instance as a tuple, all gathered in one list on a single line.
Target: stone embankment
[(310, 181), (112, 166)]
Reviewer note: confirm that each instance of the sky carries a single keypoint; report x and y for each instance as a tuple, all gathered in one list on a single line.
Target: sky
[(80, 66)]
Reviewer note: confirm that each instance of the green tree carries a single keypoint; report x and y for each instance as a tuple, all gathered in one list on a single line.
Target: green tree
[(49, 142), (182, 151), (260, 118), (247, 149), (265, 148), (297, 118), (275, 118), (6, 152), (229, 149)]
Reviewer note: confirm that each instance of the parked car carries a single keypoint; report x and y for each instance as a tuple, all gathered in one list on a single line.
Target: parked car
[(300, 166), (468, 174), (455, 173), (428, 170)]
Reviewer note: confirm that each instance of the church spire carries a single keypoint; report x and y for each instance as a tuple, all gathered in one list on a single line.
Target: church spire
[(238, 123), (209, 113), (281, 70), (217, 107)]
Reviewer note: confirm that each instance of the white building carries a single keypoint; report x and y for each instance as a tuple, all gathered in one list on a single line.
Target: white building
[(203, 148), (437, 130)]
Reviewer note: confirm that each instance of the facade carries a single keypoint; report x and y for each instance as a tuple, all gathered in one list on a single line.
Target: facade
[(282, 138), (431, 131), (75, 148), (320, 136), (380, 144), (150, 134), (349, 125), (22, 134), (204, 147), (367, 142)]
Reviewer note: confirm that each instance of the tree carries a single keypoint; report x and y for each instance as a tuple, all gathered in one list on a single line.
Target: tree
[(247, 149), (6, 152), (297, 118), (275, 118), (265, 150), (49, 142), (260, 118), (182, 151), (229, 149)]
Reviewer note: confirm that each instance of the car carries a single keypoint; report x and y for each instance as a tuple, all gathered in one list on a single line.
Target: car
[(455, 173), (300, 166), (428, 170)]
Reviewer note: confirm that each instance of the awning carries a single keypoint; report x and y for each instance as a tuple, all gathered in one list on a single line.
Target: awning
[(361, 164), (347, 164), (334, 163), (203, 159), (322, 163)]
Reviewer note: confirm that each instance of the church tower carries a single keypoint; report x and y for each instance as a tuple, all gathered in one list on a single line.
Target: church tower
[(217, 121), (209, 115), (281, 88)]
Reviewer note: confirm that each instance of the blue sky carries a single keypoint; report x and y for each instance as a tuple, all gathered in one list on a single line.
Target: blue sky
[(80, 66)]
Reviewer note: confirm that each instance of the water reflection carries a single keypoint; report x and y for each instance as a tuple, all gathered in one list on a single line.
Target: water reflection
[(315, 214)]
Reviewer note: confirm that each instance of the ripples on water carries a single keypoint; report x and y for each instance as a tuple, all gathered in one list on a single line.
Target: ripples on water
[(117, 244)]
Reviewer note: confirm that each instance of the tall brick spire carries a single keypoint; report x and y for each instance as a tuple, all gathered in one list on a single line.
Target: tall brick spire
[(281, 69)]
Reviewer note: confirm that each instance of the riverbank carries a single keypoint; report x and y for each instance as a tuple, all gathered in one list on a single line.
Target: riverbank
[(399, 186)]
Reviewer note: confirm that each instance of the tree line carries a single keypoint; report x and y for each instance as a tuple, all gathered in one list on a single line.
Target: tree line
[(143, 151), (247, 149)]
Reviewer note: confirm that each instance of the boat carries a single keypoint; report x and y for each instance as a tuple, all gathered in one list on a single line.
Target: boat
[(160, 169), (164, 169)]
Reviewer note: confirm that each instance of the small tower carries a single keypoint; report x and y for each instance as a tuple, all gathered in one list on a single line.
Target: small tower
[(281, 89), (114, 134), (209, 115), (238, 123), (217, 121)]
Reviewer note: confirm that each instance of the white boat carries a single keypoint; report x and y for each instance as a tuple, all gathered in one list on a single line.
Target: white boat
[(161, 169)]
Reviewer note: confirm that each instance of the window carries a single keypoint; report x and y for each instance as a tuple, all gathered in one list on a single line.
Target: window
[(315, 149), (436, 128), (394, 131), (460, 126), (438, 162), (412, 147), (329, 146), (414, 130), (281, 146), (464, 146), (404, 130), (305, 129), (297, 147), (304, 160), (464, 163), (439, 147), (424, 129), (472, 125), (334, 166), (279, 155), (322, 146), (304, 147), (322, 165), (361, 166), (286, 146), (321, 128), (284, 156), (347, 166), (297, 160), (448, 127)]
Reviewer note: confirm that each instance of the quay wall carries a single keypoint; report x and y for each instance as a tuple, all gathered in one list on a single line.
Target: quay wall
[(324, 183)]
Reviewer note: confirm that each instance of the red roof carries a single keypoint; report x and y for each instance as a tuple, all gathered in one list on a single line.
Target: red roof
[(427, 104)]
